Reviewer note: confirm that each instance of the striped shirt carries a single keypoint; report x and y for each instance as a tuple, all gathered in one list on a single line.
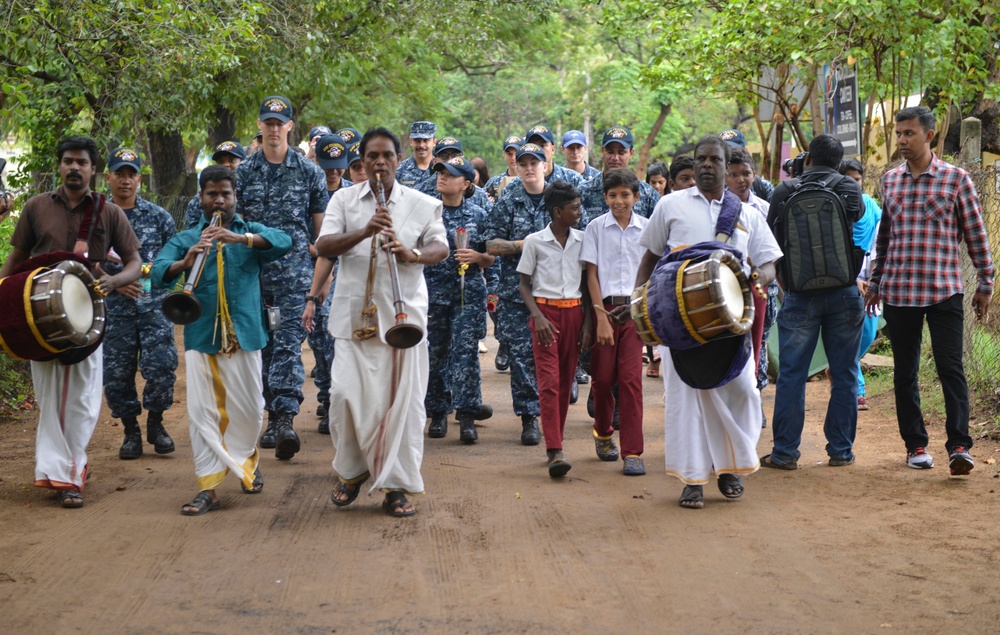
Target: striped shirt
[(924, 221)]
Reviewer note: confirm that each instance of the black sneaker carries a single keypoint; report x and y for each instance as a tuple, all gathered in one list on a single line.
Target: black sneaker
[(581, 376), (960, 461), (574, 393)]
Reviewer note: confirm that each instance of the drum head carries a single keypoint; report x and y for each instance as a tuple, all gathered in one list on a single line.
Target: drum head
[(732, 292), (714, 364), (77, 304)]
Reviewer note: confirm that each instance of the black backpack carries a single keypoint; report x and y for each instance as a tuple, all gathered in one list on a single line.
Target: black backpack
[(817, 238)]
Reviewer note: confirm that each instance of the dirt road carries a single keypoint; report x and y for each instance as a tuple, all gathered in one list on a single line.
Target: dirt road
[(499, 547)]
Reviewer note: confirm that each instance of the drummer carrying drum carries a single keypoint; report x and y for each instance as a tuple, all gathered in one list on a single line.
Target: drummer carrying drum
[(715, 428), (70, 224)]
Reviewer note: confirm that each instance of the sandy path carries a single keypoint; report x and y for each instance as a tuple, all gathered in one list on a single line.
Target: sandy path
[(498, 547)]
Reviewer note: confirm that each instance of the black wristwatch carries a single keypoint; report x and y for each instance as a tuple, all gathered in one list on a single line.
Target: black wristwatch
[(313, 299)]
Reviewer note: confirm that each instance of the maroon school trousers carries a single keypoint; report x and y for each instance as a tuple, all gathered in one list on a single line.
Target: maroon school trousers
[(757, 329), (619, 363), (555, 368)]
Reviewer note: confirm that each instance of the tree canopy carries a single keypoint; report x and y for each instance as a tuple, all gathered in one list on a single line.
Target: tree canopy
[(176, 77)]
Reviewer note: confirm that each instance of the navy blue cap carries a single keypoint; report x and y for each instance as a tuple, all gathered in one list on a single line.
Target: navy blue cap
[(457, 166), (734, 138), (422, 130), (331, 152), (448, 143), (533, 150), (513, 141), (574, 137), (259, 135), (353, 152), (229, 147), (276, 107), (618, 134), (349, 135), (319, 131), (120, 157), (540, 131)]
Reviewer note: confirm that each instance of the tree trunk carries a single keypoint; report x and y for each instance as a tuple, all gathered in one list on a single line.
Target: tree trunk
[(647, 147), (169, 162), (223, 127)]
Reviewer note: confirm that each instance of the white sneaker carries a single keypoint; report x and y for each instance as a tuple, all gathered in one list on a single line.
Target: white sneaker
[(482, 347), (919, 459)]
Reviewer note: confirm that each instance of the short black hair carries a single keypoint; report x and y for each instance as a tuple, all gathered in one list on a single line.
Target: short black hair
[(714, 140), (379, 131), (679, 164), (740, 156), (657, 169), (826, 150), (558, 194), (923, 113), (78, 143), (848, 165), (215, 174), (621, 176)]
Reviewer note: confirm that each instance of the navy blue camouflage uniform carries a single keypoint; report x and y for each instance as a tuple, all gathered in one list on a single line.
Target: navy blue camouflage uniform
[(592, 197), (479, 198), (514, 217), (285, 197), (410, 175), (589, 172), (454, 330), (559, 173), (320, 340), (138, 336)]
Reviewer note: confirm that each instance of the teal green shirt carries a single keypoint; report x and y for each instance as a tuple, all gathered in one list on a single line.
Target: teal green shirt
[(241, 270)]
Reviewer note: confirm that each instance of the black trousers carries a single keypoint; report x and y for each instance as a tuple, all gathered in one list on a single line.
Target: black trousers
[(945, 321)]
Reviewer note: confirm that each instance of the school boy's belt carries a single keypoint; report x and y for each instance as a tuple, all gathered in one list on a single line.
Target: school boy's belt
[(617, 300), (559, 304)]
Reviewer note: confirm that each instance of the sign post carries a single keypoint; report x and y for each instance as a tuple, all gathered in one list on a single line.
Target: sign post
[(842, 115)]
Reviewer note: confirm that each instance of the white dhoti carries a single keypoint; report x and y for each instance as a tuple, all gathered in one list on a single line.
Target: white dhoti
[(226, 413), (706, 428), (374, 428), (69, 403)]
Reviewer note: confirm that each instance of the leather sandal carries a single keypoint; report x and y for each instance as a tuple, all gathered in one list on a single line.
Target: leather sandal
[(692, 497), (731, 485), (258, 483), (351, 489), (70, 499), (395, 505), (201, 504)]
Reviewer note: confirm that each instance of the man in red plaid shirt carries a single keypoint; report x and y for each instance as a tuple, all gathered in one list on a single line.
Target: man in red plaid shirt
[(928, 208)]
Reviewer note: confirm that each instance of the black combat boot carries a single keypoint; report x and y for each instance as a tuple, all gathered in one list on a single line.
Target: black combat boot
[(324, 423), (270, 437), (439, 427), (132, 446), (485, 412), (157, 435), (529, 430), (467, 425), (287, 442)]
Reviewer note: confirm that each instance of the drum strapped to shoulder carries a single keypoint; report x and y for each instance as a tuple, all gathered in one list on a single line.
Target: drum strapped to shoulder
[(50, 310), (686, 303)]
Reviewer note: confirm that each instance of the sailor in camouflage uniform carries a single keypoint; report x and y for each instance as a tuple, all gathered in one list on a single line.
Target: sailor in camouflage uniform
[(456, 319), (543, 138), (227, 153), (282, 189), (519, 212), (417, 168), (444, 150), (331, 154), (496, 183), (138, 335), (574, 149), (617, 148)]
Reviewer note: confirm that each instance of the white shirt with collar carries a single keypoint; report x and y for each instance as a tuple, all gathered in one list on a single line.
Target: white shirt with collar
[(684, 218), (616, 252), (556, 271), (416, 218)]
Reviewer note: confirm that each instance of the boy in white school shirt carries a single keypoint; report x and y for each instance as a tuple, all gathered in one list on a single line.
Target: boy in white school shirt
[(555, 294)]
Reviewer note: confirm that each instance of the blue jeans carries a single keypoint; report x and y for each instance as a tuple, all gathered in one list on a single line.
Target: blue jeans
[(869, 329), (837, 316)]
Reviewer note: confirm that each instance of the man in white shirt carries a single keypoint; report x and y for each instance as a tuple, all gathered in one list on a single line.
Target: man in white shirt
[(718, 428), (377, 403)]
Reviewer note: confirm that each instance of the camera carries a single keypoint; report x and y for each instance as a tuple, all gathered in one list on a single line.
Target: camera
[(794, 167)]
